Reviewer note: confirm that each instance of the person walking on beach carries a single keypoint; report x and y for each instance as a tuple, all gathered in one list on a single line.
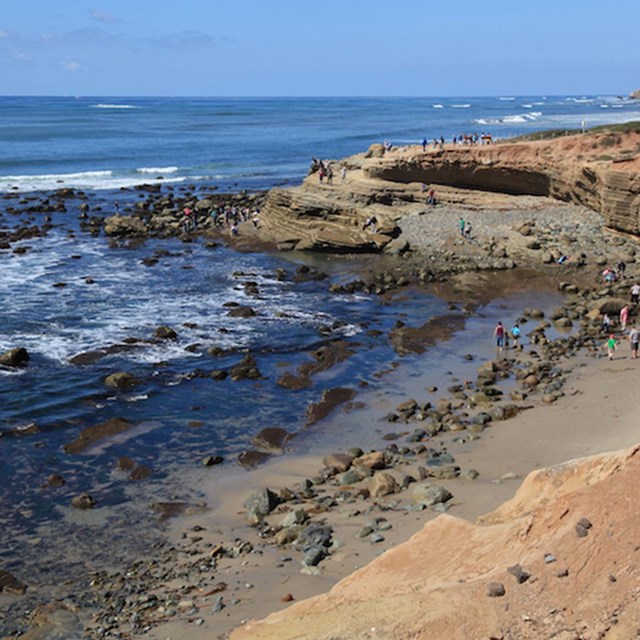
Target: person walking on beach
[(634, 339), (612, 343), (515, 336), (432, 197), (424, 144), (498, 334), (343, 174), (461, 226), (624, 317)]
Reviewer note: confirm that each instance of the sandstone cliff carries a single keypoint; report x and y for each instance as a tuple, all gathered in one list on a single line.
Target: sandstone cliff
[(560, 560), (598, 170)]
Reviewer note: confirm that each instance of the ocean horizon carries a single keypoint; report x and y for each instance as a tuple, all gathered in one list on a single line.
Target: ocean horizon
[(253, 143)]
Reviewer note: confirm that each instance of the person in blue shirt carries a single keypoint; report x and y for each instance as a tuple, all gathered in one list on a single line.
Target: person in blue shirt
[(515, 336)]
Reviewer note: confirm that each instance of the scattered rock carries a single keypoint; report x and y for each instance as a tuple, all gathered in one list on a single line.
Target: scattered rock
[(18, 357), (121, 380), (83, 501), (495, 590)]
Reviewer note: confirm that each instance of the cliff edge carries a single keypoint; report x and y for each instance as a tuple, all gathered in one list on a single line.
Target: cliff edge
[(560, 560), (599, 169)]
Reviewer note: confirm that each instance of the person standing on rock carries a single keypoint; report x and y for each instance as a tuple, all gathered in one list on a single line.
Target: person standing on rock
[(461, 226), (635, 293), (467, 230), (606, 323), (624, 317), (498, 334), (343, 174), (634, 339), (424, 144)]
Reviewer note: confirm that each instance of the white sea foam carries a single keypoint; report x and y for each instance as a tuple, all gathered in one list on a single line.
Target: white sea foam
[(527, 106), (514, 119), (519, 118), (438, 106), (157, 170), (509, 98), (105, 179), (113, 106), (460, 106)]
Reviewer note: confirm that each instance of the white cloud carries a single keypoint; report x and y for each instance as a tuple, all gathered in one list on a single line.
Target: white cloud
[(193, 39), (103, 16), (71, 65), (4, 34)]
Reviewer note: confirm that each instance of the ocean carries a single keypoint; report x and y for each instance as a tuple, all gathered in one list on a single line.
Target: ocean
[(71, 292), (240, 143)]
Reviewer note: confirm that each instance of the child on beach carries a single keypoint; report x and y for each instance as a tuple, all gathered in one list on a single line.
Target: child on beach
[(611, 345), (515, 336), (634, 339)]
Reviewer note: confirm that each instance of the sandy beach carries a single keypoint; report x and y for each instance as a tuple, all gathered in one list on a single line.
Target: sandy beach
[(596, 415)]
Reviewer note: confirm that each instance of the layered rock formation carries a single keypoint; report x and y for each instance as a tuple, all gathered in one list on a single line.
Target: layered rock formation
[(598, 170), (560, 560)]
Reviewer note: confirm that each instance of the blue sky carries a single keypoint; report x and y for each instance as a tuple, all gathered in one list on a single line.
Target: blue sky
[(309, 48)]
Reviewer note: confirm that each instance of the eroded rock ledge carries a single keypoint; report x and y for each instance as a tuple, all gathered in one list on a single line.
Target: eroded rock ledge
[(597, 170)]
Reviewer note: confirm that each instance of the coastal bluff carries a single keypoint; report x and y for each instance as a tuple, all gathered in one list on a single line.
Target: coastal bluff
[(559, 560), (598, 169)]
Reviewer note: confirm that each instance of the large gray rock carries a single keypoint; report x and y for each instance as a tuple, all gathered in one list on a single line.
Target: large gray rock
[(124, 226), (260, 504), (382, 484), (428, 495)]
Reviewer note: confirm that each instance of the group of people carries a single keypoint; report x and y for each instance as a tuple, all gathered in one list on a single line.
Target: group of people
[(610, 275), (223, 217), (469, 139), (464, 227), (324, 169), (502, 336), (623, 320)]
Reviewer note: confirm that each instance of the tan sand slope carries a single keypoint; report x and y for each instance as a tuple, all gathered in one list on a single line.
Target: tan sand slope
[(574, 529)]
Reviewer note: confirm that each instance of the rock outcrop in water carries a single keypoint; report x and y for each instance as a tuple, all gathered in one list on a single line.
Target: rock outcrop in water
[(597, 170), (559, 560)]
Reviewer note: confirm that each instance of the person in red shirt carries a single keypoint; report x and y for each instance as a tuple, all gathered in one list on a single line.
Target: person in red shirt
[(498, 333)]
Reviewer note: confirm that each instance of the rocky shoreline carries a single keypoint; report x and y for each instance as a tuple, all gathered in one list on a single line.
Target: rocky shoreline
[(359, 492)]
